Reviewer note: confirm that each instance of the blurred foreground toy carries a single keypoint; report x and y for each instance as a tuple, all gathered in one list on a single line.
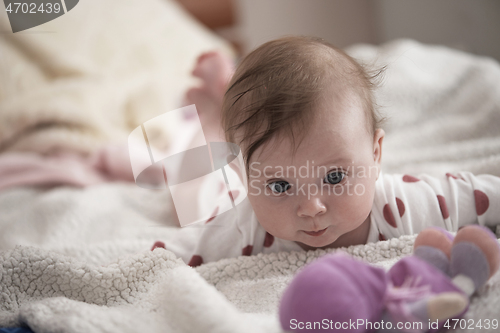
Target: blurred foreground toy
[(418, 294)]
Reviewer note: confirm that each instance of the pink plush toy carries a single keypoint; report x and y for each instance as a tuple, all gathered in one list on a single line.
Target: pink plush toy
[(418, 294)]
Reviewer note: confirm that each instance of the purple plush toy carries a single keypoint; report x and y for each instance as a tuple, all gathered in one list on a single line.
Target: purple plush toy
[(337, 292)]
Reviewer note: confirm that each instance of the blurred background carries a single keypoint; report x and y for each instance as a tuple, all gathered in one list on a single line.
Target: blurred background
[(79, 84), (472, 26)]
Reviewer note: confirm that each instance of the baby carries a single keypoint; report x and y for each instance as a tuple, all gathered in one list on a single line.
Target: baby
[(303, 113)]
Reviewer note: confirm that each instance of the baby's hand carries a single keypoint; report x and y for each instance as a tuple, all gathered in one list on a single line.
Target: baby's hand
[(215, 69)]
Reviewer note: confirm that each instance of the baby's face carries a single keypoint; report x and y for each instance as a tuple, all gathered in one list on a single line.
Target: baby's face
[(322, 195)]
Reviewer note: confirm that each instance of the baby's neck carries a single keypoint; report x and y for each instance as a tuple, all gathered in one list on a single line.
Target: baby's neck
[(355, 237)]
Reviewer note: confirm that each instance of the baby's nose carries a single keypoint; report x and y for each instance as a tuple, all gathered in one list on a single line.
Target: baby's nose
[(310, 207)]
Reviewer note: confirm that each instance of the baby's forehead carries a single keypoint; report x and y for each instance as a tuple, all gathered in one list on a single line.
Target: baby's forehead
[(343, 107), (345, 103), (277, 93)]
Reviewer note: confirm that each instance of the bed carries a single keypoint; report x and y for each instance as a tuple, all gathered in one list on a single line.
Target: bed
[(79, 259)]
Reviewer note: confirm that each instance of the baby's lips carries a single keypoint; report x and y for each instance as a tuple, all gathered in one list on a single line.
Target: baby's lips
[(315, 233)]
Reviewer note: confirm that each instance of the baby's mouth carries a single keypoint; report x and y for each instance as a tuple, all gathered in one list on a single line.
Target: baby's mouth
[(315, 233)]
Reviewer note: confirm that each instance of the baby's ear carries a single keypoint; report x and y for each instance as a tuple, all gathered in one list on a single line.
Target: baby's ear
[(378, 139)]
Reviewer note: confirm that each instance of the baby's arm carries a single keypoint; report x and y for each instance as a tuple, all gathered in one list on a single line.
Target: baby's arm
[(405, 205), (483, 191), (224, 234), (214, 69), (208, 241)]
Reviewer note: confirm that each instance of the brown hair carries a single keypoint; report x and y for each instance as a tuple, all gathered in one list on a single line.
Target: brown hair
[(275, 88)]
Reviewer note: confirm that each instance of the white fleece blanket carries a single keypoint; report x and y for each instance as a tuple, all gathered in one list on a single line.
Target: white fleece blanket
[(83, 263)]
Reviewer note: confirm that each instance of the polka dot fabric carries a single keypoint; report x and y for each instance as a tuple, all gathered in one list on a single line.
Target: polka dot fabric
[(158, 244), (482, 202), (195, 261), (232, 234), (407, 204), (410, 179), (269, 240), (214, 214), (247, 250), (443, 206), (403, 205)]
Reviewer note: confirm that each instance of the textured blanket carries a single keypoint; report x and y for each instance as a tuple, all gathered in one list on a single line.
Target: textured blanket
[(90, 77), (83, 264)]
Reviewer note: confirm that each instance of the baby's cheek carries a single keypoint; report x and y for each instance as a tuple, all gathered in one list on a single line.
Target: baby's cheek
[(269, 215), (358, 201), (274, 225)]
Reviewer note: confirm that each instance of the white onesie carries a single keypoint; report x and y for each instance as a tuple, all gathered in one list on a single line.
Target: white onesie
[(403, 205)]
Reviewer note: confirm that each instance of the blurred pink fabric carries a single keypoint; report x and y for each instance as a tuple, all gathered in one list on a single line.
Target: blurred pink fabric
[(110, 163)]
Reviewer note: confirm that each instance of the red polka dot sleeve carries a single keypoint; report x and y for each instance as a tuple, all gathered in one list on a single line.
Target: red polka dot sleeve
[(407, 204)]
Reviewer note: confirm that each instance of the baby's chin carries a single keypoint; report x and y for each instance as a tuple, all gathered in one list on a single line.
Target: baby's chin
[(319, 242)]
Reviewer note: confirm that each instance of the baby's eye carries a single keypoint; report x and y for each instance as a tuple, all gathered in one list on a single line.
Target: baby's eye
[(278, 187), (334, 177)]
